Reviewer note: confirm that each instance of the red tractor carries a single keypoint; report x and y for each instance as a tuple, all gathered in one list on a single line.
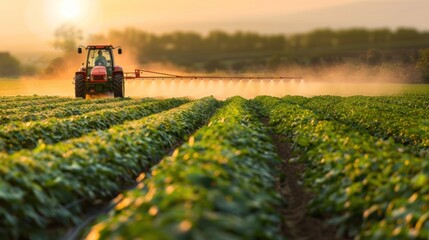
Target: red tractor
[(99, 74)]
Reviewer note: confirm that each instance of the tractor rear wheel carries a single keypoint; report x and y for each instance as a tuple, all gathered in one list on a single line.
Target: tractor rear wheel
[(118, 86), (79, 86)]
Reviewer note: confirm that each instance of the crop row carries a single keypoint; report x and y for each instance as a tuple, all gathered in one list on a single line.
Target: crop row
[(401, 103), (39, 107), (373, 104), (54, 184), (30, 101), (367, 186), (407, 100), (16, 135), (70, 109), (24, 98), (405, 125), (219, 185)]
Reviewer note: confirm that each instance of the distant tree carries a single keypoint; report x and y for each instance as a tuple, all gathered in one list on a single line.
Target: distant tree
[(29, 70), (329, 60), (66, 38), (423, 64), (240, 66), (274, 62), (406, 58), (258, 63), (259, 50), (9, 65), (214, 65), (217, 42), (381, 36), (315, 61), (272, 42), (406, 35), (296, 41), (354, 36), (321, 38), (374, 57)]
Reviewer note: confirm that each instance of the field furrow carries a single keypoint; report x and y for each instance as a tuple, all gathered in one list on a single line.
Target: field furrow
[(219, 185), (369, 188), (53, 185), (16, 136)]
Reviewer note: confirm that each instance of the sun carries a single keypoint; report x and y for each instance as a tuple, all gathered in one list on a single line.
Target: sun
[(69, 9)]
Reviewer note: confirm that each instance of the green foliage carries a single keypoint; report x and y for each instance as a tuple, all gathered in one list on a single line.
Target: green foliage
[(14, 99), (366, 164), (57, 184), (193, 50), (373, 57), (44, 104), (240, 66), (213, 66), (15, 102), (274, 62), (404, 124), (368, 187), (219, 185), (19, 135), (423, 64), (64, 109), (9, 65)]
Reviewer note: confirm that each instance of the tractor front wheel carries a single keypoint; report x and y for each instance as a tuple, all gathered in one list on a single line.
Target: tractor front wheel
[(79, 86), (118, 86)]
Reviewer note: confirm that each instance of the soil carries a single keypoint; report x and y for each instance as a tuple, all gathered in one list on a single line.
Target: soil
[(296, 224)]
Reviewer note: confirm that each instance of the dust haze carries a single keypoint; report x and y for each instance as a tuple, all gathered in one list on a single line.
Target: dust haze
[(341, 80)]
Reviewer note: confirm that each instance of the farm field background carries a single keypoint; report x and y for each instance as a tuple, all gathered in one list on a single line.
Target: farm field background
[(205, 168)]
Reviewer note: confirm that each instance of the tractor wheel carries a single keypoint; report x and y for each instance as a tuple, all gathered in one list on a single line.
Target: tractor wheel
[(118, 86), (79, 86)]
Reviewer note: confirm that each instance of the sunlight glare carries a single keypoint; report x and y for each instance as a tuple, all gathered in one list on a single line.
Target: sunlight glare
[(69, 9)]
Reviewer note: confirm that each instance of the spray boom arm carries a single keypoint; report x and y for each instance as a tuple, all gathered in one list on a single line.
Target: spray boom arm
[(137, 75)]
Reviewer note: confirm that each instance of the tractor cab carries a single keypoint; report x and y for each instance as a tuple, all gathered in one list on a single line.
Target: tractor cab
[(102, 58), (99, 73)]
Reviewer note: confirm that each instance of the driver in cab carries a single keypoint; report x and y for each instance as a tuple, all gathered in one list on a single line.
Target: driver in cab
[(100, 60)]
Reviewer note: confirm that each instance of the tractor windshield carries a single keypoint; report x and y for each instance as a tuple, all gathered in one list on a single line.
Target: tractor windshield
[(99, 57)]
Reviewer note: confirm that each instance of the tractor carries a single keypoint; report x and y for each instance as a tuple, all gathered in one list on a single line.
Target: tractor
[(99, 74)]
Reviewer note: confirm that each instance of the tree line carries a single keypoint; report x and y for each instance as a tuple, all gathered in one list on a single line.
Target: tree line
[(322, 46), (10, 66), (241, 51)]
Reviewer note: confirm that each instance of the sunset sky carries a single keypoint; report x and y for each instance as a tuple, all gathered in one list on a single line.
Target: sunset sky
[(28, 25)]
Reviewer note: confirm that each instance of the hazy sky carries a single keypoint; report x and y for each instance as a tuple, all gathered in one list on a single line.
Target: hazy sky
[(29, 24)]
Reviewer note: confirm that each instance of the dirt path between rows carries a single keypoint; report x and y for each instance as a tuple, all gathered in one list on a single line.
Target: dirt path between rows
[(296, 224)]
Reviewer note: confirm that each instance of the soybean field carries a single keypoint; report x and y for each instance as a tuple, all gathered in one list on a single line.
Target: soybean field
[(293, 167)]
